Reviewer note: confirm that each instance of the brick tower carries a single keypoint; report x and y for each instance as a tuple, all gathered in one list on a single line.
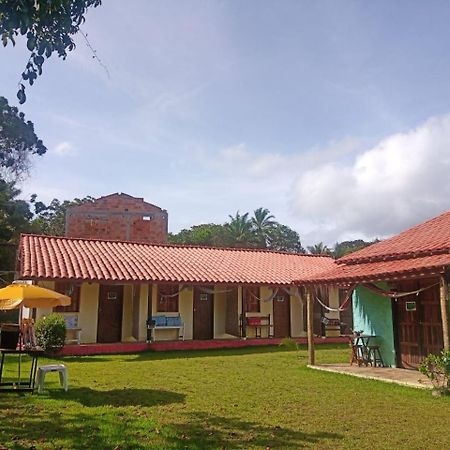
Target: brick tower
[(120, 217)]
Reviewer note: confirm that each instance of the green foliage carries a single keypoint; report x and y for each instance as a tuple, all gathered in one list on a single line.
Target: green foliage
[(344, 248), (50, 219), (14, 213), (51, 332), (284, 239), (240, 231), (18, 141), (319, 249), (48, 27), (210, 234), (259, 231), (437, 369), (263, 224)]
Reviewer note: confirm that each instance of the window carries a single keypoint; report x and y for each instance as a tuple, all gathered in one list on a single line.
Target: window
[(251, 299), (72, 291), (167, 298)]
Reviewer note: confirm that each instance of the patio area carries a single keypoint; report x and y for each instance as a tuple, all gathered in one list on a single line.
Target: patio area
[(405, 377)]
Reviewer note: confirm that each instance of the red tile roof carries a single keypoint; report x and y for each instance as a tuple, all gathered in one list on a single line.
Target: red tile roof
[(421, 250), (44, 257), (430, 237), (382, 270)]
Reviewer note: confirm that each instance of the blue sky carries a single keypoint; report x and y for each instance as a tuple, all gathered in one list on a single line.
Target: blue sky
[(334, 115)]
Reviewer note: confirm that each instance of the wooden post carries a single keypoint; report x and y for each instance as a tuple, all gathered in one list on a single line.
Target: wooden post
[(443, 291), (310, 325)]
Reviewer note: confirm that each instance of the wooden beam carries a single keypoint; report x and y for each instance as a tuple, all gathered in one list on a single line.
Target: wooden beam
[(443, 294), (310, 329)]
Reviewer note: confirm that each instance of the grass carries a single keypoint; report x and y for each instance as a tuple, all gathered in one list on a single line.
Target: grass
[(226, 399)]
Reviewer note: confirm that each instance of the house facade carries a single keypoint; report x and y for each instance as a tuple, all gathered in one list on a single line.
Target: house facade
[(400, 291), (202, 292)]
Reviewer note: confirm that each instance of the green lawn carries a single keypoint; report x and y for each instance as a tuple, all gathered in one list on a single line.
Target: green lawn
[(242, 399)]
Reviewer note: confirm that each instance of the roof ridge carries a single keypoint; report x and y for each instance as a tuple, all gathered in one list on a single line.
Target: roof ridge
[(161, 244), (353, 258), (394, 256)]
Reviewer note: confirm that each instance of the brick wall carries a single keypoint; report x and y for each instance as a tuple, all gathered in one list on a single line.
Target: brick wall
[(120, 217)]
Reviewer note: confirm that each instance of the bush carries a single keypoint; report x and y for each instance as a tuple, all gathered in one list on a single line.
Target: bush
[(51, 332), (437, 369)]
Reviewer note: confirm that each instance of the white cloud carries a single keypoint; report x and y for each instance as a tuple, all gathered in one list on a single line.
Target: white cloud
[(401, 181), (64, 149)]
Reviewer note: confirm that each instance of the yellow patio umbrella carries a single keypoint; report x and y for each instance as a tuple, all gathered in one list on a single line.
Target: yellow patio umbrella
[(30, 296)]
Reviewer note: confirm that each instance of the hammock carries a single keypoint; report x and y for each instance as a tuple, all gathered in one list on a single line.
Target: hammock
[(392, 294), (294, 292), (164, 296), (268, 299), (345, 303), (212, 291)]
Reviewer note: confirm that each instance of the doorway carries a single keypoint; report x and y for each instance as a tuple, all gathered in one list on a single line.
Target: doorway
[(418, 323), (203, 326), (110, 307), (281, 316)]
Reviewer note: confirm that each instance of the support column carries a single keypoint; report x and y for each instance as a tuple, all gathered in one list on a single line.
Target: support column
[(310, 322), (443, 291)]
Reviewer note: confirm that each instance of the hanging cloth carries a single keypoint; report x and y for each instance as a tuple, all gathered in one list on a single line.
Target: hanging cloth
[(392, 294)]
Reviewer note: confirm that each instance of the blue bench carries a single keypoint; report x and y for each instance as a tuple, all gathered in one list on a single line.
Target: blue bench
[(163, 322)]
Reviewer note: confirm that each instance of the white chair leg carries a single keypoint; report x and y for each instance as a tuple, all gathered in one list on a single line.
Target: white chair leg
[(63, 379), (41, 377)]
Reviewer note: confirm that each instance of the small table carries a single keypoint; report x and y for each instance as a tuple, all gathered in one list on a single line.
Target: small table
[(360, 348), (26, 385)]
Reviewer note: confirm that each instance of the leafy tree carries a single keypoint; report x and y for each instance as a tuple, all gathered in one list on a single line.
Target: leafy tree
[(344, 248), (263, 224), (48, 25), (210, 234), (15, 215), (319, 249), (51, 219), (18, 141), (285, 239), (240, 230)]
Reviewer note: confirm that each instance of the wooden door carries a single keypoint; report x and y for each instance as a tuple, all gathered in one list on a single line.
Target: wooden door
[(232, 318), (418, 323), (110, 307), (281, 316), (203, 314)]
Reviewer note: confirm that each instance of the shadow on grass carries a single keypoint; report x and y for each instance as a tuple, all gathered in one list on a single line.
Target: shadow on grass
[(203, 431), (117, 397), (35, 428)]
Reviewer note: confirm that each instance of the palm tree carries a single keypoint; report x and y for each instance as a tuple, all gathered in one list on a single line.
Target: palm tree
[(263, 224), (239, 230), (319, 249)]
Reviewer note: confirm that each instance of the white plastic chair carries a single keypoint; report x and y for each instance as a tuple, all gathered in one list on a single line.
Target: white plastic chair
[(43, 370)]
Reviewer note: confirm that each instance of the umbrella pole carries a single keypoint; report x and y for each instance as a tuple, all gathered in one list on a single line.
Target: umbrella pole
[(20, 346)]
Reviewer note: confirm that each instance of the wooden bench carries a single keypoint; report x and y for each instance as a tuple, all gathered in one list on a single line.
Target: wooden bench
[(164, 323), (258, 323)]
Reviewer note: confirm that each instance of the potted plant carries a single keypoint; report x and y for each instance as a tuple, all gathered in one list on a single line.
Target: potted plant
[(437, 369)]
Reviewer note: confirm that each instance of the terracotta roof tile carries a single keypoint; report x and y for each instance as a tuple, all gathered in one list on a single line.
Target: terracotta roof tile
[(430, 237), (46, 257), (382, 270)]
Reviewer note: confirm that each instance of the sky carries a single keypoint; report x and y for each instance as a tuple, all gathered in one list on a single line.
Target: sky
[(333, 115)]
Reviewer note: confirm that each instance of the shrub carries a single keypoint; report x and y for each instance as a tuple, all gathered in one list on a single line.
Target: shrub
[(51, 332), (437, 369)]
